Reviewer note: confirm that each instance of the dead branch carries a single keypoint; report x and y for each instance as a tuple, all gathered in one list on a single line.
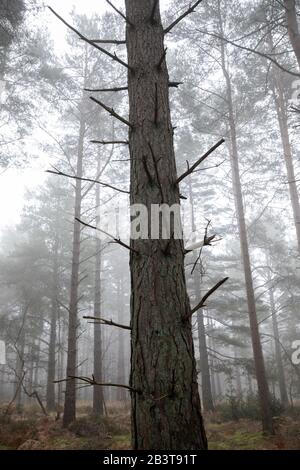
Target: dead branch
[(110, 142), (162, 59), (93, 382), (90, 180), (217, 165), (151, 19), (201, 304), (175, 84), (198, 162), (35, 395), (205, 242), (191, 9), (147, 171), (159, 185), (108, 41), (116, 240), (15, 394), (112, 56), (112, 112), (102, 321), (120, 13), (115, 89)]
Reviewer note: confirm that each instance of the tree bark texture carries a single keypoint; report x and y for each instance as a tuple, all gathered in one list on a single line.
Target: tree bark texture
[(166, 411)]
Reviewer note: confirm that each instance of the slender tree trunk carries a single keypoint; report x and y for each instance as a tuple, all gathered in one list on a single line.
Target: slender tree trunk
[(238, 377), (20, 345), (281, 109), (166, 411), (37, 365), (292, 26), (70, 394), (213, 377), (207, 397), (260, 371), (60, 365), (98, 391), (121, 392), (50, 392), (219, 389), (278, 356)]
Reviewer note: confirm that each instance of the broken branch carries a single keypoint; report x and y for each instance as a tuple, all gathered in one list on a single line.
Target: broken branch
[(108, 41), (201, 304), (120, 13), (97, 90), (92, 381), (175, 84), (198, 162), (112, 112), (90, 180), (152, 20), (116, 240), (110, 142), (162, 59), (102, 321), (191, 9), (84, 38)]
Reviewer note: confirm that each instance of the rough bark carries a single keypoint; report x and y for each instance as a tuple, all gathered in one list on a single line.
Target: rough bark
[(292, 26), (263, 389), (166, 411)]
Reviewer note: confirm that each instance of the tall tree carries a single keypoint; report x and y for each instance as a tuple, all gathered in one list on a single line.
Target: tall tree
[(261, 377), (166, 412), (292, 26), (98, 399)]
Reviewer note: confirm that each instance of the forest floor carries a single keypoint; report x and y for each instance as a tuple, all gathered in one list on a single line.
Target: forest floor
[(34, 431)]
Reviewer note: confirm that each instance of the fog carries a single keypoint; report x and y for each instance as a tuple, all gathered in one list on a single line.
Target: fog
[(123, 321)]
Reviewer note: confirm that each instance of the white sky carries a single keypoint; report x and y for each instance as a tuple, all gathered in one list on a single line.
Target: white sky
[(13, 183)]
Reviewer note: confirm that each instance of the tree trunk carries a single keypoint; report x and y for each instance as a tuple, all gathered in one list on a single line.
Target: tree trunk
[(121, 392), (238, 376), (281, 109), (260, 371), (207, 397), (20, 349), (70, 394), (278, 356), (98, 405), (292, 26), (50, 392), (166, 411)]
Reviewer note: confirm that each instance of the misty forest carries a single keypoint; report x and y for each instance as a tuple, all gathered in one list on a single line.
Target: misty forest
[(115, 335)]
